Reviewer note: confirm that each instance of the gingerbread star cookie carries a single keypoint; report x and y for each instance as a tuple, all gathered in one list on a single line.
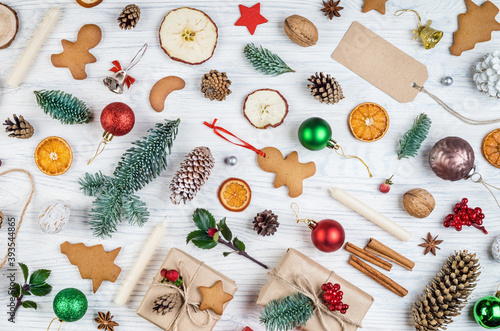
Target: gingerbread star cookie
[(214, 297), (378, 5), (93, 262), (289, 172)]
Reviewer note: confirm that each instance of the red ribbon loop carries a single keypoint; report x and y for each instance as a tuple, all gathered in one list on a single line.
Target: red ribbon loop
[(117, 67), (245, 144)]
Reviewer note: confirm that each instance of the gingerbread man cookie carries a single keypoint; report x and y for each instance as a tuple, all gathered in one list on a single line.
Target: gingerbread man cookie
[(76, 54), (289, 172)]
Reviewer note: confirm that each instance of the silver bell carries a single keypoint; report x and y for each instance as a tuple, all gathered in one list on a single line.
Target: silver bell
[(115, 81)]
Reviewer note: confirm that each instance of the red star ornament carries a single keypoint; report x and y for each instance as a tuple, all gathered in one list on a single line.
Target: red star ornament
[(250, 17)]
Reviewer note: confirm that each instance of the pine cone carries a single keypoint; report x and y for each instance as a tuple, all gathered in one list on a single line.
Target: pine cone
[(325, 89), (20, 128), (266, 223), (129, 17), (448, 292), (166, 303), (192, 175), (486, 75), (215, 85)]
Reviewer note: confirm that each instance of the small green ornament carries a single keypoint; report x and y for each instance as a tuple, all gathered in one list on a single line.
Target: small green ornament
[(487, 312), (70, 305), (315, 133)]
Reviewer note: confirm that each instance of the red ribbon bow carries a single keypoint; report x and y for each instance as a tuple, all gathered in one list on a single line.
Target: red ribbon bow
[(117, 67)]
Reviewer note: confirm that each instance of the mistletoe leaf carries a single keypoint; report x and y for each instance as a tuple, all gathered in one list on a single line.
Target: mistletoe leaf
[(16, 290), (41, 290)]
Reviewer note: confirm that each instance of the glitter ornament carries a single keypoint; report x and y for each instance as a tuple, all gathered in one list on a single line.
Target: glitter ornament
[(70, 305), (54, 216)]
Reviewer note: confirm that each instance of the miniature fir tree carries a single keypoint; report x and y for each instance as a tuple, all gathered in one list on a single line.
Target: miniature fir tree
[(413, 138), (63, 107), (287, 313), (266, 61)]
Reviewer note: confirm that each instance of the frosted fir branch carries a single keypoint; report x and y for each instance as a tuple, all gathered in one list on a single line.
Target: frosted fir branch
[(287, 313), (92, 185), (63, 107), (413, 138), (266, 61)]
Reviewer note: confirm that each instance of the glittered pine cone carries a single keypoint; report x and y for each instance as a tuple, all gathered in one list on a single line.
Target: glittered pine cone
[(20, 128), (129, 17), (215, 85), (266, 223), (325, 89)]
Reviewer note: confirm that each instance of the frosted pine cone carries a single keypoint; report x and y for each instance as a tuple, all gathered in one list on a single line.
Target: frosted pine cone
[(487, 74)]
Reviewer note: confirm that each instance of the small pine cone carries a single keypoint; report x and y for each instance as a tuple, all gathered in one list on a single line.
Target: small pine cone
[(129, 17), (325, 89), (20, 128), (166, 303), (192, 175), (266, 223), (215, 85)]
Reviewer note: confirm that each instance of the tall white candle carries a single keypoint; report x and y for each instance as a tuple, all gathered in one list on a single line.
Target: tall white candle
[(30, 52), (364, 210), (140, 264)]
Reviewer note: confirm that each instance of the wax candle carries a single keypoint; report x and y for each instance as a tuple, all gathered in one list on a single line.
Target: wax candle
[(30, 52), (141, 263), (364, 210)]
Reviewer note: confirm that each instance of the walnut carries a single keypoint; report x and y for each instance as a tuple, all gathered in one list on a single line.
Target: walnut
[(301, 31), (418, 203)]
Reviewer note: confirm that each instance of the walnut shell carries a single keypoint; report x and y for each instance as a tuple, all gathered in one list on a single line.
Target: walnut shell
[(418, 202), (301, 31)]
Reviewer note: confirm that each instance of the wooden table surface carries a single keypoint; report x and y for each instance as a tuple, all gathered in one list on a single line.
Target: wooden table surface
[(389, 312)]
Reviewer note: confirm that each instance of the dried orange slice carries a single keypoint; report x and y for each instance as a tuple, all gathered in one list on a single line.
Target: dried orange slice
[(53, 156), (235, 194), (369, 122), (491, 148)]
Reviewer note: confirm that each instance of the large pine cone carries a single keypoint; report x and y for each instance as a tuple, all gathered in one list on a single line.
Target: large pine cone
[(166, 303), (448, 292), (20, 128), (192, 175), (325, 89), (266, 223), (215, 85), (129, 17)]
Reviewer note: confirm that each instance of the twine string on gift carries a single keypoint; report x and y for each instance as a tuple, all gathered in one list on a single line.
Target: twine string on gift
[(454, 112), (244, 143), (2, 264), (184, 292), (302, 285)]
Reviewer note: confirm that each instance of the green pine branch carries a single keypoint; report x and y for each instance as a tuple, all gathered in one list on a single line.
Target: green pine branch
[(266, 61), (138, 166), (413, 138), (287, 313), (63, 107)]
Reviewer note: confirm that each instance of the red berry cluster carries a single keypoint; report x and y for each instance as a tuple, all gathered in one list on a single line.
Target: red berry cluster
[(333, 297), (463, 215)]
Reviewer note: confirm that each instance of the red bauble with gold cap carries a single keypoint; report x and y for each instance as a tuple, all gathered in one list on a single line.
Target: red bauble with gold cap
[(327, 235)]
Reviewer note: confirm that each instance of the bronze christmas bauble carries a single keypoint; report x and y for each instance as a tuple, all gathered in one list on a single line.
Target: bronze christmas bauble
[(452, 158)]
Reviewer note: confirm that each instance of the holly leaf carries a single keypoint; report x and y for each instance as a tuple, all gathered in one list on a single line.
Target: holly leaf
[(16, 291), (39, 276), (24, 268), (239, 244), (224, 229), (41, 290), (206, 242), (203, 219), (29, 304), (227, 253), (195, 234), (24, 292)]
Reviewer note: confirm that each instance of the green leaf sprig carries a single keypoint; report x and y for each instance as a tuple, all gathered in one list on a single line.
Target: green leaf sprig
[(413, 138), (210, 234), (35, 286)]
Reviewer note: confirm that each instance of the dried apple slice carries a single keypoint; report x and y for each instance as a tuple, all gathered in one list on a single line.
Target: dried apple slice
[(264, 108), (88, 3), (188, 35), (9, 25)]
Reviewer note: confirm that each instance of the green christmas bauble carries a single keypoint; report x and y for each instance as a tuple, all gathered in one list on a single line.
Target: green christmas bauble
[(315, 133), (70, 305), (487, 312)]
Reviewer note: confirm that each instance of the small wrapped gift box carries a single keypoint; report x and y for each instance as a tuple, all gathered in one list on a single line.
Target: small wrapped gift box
[(296, 272), (186, 315)]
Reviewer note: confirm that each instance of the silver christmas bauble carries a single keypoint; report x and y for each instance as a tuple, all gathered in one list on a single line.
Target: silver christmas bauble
[(232, 160), (452, 158), (54, 216), (447, 81), (495, 249)]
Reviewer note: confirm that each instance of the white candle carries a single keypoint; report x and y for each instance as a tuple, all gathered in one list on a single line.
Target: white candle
[(364, 210), (141, 263), (30, 52)]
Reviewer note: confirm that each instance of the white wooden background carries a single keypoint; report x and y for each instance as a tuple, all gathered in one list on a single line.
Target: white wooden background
[(389, 312)]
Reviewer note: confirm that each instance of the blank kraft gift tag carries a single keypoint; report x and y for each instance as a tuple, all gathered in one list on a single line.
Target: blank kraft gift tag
[(380, 63)]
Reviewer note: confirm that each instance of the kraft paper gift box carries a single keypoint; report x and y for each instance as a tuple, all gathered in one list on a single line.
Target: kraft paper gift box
[(184, 317), (297, 271)]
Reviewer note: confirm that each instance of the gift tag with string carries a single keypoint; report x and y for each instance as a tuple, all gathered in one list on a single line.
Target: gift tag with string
[(388, 68)]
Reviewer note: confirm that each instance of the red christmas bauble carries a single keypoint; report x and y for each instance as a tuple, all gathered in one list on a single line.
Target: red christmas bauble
[(117, 118), (328, 235)]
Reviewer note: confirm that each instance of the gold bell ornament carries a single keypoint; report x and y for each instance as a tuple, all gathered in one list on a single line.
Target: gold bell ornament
[(429, 36)]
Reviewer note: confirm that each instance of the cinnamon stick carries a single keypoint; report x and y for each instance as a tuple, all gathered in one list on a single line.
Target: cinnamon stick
[(377, 276), (376, 247), (361, 253)]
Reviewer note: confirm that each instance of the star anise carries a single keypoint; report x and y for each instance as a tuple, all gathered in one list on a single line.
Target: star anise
[(105, 321), (431, 244), (332, 8)]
